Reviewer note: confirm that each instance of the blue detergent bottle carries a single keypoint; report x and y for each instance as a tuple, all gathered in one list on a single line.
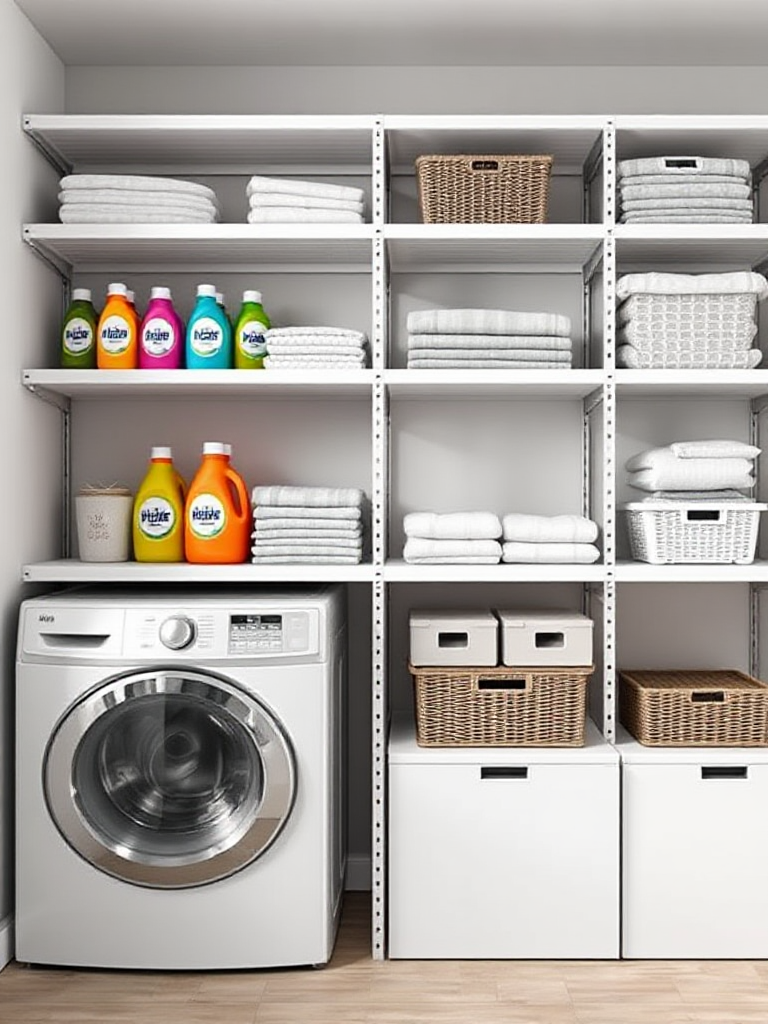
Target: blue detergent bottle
[(209, 333)]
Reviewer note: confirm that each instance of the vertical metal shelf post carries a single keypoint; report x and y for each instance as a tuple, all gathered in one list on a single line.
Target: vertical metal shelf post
[(609, 431)]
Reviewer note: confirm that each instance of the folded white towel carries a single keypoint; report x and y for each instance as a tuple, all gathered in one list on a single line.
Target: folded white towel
[(630, 358), (422, 550), (340, 513), (134, 183), (316, 350), (346, 334), (265, 199), (306, 497), (500, 355), (692, 336), (452, 525), (657, 283), (486, 342), (688, 165), (308, 363), (302, 215), (485, 364), (313, 545), (302, 558), (263, 534), (707, 216), (691, 203), (124, 197), (518, 551), (82, 213), (683, 178), (685, 192), (258, 183), (714, 449), (656, 458), (726, 494), (486, 321), (563, 529), (693, 475)]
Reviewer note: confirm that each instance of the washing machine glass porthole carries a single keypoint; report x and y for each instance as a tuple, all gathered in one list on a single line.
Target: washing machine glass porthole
[(169, 779)]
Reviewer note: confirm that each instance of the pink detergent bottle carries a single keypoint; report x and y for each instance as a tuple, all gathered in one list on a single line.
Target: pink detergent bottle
[(161, 336)]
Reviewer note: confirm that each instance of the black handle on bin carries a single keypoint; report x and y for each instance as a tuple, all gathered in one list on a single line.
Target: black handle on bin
[(679, 161), (485, 165), (712, 515), (507, 683), (708, 697), (724, 771), (504, 772)]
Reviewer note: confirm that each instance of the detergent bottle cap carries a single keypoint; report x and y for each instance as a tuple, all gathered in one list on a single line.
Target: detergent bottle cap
[(161, 452), (160, 293), (81, 295), (251, 296), (117, 288), (214, 448), (207, 290)]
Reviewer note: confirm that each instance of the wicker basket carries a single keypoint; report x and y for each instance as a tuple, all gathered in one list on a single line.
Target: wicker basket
[(694, 708), (677, 533), (500, 707), (469, 189)]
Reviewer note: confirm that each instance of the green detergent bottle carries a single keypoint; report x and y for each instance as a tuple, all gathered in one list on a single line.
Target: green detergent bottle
[(78, 332), (251, 323)]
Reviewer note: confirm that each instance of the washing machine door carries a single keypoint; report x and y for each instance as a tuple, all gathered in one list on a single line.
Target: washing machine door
[(169, 779)]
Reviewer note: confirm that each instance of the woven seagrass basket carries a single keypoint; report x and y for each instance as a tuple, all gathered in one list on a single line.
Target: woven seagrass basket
[(468, 189)]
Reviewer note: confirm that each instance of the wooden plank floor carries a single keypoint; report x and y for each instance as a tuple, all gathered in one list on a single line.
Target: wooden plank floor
[(355, 990)]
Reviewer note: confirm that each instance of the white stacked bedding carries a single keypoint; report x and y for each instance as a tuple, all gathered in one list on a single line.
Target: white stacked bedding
[(685, 190), (135, 199), (282, 200), (307, 525), (321, 348)]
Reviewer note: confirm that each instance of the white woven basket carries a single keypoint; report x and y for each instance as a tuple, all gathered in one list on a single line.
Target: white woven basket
[(693, 318), (666, 533)]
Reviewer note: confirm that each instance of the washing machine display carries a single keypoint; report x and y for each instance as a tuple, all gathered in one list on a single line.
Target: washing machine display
[(169, 779)]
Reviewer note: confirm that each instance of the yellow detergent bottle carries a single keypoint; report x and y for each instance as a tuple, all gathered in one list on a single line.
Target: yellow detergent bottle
[(158, 512)]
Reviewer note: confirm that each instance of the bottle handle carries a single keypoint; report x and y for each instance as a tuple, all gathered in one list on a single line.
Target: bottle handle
[(240, 492)]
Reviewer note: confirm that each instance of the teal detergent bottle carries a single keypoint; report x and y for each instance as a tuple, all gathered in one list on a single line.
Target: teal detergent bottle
[(78, 332), (209, 333), (251, 323)]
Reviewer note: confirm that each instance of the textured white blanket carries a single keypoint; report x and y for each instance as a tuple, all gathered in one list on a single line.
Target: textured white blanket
[(420, 550), (516, 551), (338, 513), (716, 448), (306, 497), (452, 525), (684, 165), (563, 529), (82, 213), (484, 342), (292, 187), (133, 183), (486, 321), (659, 283)]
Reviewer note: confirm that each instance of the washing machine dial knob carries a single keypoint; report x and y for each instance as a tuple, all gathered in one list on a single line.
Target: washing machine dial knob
[(177, 632)]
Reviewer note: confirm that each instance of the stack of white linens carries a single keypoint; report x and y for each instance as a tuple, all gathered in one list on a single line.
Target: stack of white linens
[(688, 321), (135, 199), (488, 339), (455, 538), (314, 525), (320, 348), (280, 201), (549, 539), (689, 469), (685, 190)]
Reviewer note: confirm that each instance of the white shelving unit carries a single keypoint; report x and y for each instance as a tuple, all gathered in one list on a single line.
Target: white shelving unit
[(416, 439)]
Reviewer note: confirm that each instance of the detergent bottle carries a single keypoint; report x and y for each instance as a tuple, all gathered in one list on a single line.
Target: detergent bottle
[(158, 511), (251, 323), (161, 336), (78, 332), (116, 336), (209, 333), (217, 517)]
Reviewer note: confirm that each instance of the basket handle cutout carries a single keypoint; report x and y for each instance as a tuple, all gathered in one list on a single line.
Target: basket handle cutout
[(550, 640), (724, 771), (677, 161), (484, 165), (453, 640), (509, 683), (504, 772), (708, 697), (709, 514)]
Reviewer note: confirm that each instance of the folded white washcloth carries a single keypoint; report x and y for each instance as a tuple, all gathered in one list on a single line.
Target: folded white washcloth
[(317, 545), (306, 497), (288, 186), (564, 529), (691, 203), (82, 213), (487, 342), (425, 551), (683, 178), (119, 197), (485, 364), (264, 534), (302, 215), (685, 165), (486, 321), (308, 363), (500, 355), (303, 558), (339, 513), (630, 358), (265, 199), (518, 551), (134, 183), (346, 335), (659, 283), (685, 192), (452, 525), (716, 448)]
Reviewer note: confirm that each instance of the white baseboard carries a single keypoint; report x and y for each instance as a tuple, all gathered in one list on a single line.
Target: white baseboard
[(358, 874), (6, 940)]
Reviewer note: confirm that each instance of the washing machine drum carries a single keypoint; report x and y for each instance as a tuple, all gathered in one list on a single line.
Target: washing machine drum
[(169, 779)]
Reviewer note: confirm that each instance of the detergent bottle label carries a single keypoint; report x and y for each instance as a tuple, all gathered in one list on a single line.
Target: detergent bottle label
[(157, 518), (250, 339), (207, 516), (115, 335), (78, 336), (157, 337), (207, 337)]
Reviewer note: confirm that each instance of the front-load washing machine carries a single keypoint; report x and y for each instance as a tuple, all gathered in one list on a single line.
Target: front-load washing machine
[(180, 778)]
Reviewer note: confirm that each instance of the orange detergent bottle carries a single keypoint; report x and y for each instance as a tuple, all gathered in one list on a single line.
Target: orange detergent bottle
[(217, 515), (117, 345)]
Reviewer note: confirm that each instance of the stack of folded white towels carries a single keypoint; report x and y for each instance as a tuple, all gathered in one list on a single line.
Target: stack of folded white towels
[(688, 321), (456, 538), (135, 199), (685, 190), (488, 339), (319, 348), (687, 470), (549, 539), (281, 200), (312, 525)]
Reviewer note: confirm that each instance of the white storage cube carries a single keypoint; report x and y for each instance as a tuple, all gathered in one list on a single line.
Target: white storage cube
[(695, 846), (534, 638), (454, 638), (503, 853)]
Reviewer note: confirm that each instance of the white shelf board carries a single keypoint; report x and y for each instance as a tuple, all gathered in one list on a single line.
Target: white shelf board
[(266, 247), (200, 143), (398, 571), (691, 245), (726, 384), (481, 248), (742, 137), (417, 385), (71, 570), (643, 572), (100, 384)]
